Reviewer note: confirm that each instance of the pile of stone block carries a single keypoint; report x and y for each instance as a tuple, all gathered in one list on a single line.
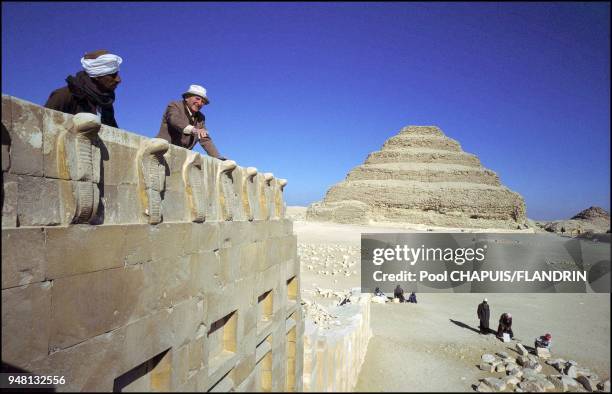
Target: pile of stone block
[(525, 374)]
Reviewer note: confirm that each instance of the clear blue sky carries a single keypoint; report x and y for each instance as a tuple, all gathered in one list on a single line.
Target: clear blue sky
[(307, 90)]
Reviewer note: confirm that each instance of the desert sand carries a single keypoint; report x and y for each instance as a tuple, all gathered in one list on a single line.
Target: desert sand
[(434, 345)]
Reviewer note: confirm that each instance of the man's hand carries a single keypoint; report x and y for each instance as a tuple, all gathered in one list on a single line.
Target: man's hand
[(201, 133)]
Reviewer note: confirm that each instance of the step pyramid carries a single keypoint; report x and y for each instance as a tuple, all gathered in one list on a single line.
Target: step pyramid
[(421, 176)]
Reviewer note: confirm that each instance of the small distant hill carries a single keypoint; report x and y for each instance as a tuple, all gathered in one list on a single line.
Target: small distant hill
[(591, 220)]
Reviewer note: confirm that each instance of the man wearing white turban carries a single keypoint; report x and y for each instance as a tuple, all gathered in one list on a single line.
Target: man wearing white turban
[(91, 90)]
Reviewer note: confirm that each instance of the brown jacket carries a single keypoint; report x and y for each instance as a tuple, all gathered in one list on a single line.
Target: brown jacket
[(175, 119)]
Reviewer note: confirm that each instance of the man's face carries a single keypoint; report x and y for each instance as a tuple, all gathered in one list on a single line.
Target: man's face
[(195, 103), (108, 83)]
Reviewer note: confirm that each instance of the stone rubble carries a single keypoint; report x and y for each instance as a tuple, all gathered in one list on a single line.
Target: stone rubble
[(525, 374), (333, 260)]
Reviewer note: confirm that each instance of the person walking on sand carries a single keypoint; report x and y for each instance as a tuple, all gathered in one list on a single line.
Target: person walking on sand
[(483, 315)]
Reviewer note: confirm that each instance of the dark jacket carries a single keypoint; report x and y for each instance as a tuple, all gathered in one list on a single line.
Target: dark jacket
[(399, 293), (175, 119), (82, 95)]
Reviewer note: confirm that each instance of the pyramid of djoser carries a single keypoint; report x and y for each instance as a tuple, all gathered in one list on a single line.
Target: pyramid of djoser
[(420, 176)]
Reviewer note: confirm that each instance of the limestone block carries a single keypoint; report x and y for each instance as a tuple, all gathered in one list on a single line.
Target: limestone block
[(175, 206), (94, 248), (180, 365), (260, 230), (194, 181), (225, 189), (175, 158), (250, 202), (120, 204), (118, 166), (244, 367), (235, 233), (55, 123), (26, 138), (152, 171), (206, 269), (26, 323), (23, 256), (238, 198), (229, 264), (58, 206), (268, 195), (9, 203), (114, 295), (211, 189), (169, 240), (543, 353), (7, 123), (250, 256), (249, 384), (204, 237), (531, 386), (495, 383)]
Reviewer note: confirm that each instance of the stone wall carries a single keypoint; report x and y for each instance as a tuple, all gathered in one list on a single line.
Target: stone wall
[(333, 356), (130, 264)]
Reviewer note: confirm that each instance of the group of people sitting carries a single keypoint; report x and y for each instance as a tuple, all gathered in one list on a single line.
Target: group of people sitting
[(92, 90), (399, 294)]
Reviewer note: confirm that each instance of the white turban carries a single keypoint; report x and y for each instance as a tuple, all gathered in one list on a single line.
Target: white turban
[(102, 65)]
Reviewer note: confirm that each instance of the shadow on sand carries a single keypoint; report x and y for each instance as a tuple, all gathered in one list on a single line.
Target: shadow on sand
[(463, 325)]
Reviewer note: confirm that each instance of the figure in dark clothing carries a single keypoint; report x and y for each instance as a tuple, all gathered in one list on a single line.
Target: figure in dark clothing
[(378, 292), (412, 298), (483, 315), (91, 90), (399, 293), (505, 325), (544, 341)]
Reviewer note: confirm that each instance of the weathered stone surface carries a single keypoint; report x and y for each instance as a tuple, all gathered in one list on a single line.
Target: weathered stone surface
[(543, 353), (58, 206), (488, 358), (531, 386), (26, 138), (495, 383), (484, 388), (486, 367), (521, 349), (500, 368), (420, 177), (92, 301), (23, 256), (54, 124), (9, 204), (26, 323), (512, 380)]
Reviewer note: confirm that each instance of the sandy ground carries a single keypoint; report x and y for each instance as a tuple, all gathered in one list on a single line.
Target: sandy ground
[(434, 345)]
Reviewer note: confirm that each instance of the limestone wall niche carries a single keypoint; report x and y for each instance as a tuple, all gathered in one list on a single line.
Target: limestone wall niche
[(156, 282)]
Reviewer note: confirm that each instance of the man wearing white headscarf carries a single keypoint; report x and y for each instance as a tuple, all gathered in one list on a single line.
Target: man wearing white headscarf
[(91, 90)]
